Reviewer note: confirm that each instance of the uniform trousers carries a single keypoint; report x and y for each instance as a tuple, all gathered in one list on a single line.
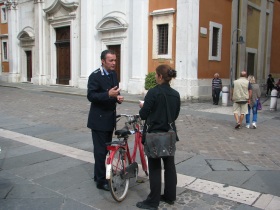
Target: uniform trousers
[(170, 180), (100, 138)]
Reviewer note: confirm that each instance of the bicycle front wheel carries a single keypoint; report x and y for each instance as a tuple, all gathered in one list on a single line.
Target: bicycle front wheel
[(118, 184)]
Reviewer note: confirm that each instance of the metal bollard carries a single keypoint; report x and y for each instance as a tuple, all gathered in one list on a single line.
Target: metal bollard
[(225, 93), (273, 100)]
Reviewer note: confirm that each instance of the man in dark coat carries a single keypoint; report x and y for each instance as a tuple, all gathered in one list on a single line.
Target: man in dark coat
[(270, 84), (103, 93)]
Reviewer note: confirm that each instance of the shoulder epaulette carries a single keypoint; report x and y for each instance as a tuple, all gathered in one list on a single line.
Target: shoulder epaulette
[(96, 71)]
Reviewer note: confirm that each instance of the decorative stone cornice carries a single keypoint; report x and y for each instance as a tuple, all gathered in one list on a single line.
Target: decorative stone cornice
[(38, 1), (11, 4), (112, 23), (163, 12), (69, 7), (27, 34)]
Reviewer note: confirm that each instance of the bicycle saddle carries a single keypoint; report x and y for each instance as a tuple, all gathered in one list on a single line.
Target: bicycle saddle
[(122, 133)]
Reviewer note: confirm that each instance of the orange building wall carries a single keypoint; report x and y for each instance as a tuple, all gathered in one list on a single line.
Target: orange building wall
[(275, 44), (218, 11), (156, 5)]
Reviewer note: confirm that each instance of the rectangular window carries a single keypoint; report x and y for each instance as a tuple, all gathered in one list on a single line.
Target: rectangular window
[(163, 39), (215, 41), (3, 14), (162, 28), (4, 50)]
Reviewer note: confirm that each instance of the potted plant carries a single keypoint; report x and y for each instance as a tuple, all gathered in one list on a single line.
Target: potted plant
[(150, 80)]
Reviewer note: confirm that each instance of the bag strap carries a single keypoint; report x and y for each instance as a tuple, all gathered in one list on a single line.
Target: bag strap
[(167, 111), (167, 108)]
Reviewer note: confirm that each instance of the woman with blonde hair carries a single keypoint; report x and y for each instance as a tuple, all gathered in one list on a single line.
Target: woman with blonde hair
[(256, 94)]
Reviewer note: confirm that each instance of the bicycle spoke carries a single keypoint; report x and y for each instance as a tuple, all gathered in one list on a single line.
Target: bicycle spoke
[(119, 185)]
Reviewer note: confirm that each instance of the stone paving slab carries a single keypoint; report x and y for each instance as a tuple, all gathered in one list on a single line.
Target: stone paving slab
[(234, 178), (27, 159), (195, 166), (31, 190), (38, 170), (267, 182), (64, 179), (17, 150), (37, 129), (44, 203)]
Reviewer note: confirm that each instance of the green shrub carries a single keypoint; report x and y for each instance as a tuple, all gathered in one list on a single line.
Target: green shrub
[(150, 80)]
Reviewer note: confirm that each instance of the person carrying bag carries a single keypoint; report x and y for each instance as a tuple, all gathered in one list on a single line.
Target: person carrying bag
[(160, 109), (160, 144)]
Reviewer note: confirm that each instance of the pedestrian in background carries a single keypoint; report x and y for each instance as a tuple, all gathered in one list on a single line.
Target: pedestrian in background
[(154, 108), (253, 105), (270, 84), (277, 86), (216, 88), (103, 93), (240, 95)]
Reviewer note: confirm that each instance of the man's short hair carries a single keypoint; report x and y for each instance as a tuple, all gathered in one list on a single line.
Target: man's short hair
[(243, 74), (105, 52)]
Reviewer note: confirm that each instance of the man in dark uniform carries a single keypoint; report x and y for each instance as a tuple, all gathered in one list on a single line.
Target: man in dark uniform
[(103, 93)]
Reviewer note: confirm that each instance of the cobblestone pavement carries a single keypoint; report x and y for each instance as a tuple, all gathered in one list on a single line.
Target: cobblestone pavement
[(193, 200), (203, 129), (200, 132)]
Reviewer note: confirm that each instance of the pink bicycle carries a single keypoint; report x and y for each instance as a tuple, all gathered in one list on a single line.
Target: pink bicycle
[(120, 165)]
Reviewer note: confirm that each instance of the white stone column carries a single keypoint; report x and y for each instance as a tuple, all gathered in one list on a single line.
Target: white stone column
[(40, 76), (268, 42), (262, 41), (87, 28), (243, 27), (234, 33), (137, 46), (13, 45), (187, 28)]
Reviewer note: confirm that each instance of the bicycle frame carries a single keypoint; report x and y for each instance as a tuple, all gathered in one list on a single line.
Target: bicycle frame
[(138, 144), (112, 150), (120, 165)]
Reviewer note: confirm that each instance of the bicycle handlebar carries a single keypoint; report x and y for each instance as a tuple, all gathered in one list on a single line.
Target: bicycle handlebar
[(130, 118), (133, 120)]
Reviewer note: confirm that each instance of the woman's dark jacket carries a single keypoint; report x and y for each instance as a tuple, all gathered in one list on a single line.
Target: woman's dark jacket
[(154, 108)]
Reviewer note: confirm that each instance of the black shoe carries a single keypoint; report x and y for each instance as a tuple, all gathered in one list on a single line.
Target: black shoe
[(237, 126), (103, 187), (142, 205), (162, 198)]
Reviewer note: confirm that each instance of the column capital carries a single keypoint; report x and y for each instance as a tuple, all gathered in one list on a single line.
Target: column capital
[(11, 4)]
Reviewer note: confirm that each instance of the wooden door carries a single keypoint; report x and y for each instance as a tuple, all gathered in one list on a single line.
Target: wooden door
[(28, 65), (117, 49), (63, 55)]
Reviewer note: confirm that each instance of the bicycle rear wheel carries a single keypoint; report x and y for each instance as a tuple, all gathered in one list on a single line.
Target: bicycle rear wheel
[(118, 184)]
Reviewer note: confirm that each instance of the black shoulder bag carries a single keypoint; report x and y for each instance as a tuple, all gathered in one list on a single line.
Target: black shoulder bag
[(161, 144)]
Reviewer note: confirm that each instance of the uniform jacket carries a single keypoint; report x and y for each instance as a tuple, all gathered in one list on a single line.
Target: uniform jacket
[(154, 107), (102, 114)]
